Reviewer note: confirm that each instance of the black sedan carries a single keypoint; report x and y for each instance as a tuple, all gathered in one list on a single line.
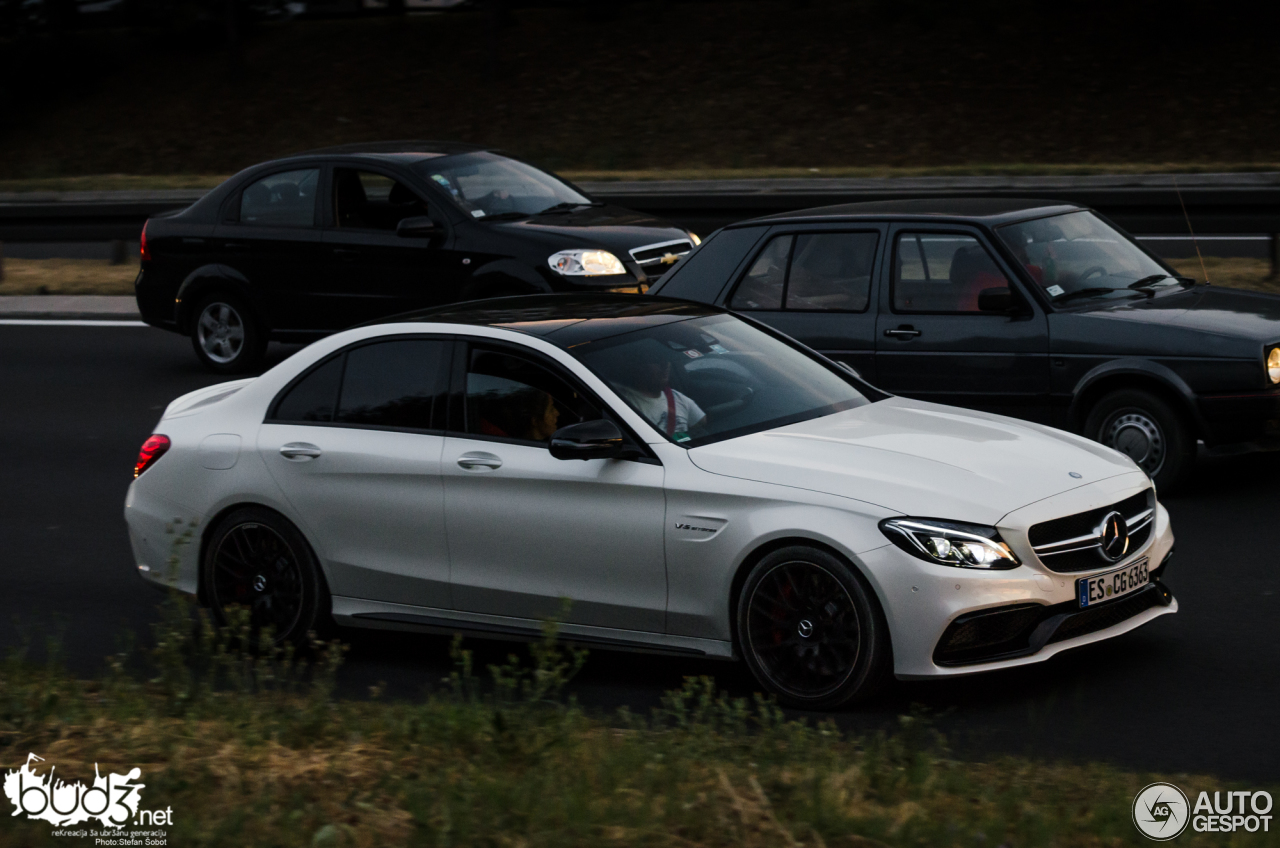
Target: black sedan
[(1037, 311), (300, 247)]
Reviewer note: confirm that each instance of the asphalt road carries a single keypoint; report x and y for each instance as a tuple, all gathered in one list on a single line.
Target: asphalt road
[(1191, 693)]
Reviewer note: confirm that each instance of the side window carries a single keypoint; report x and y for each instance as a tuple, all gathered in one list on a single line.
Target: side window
[(281, 200), (512, 397), (762, 286), (399, 383), (810, 272), (313, 398), (394, 383), (370, 201), (942, 272), (832, 271)]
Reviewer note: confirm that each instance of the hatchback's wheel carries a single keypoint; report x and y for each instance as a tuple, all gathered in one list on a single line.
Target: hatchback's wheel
[(1147, 430), (811, 630), (258, 561), (225, 335)]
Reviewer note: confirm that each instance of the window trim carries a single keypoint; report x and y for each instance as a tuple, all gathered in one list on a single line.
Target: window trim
[(458, 396), (892, 268), (438, 415), (231, 212), (795, 234)]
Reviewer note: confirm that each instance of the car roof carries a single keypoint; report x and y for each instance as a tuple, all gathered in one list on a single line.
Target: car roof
[(566, 320), (991, 211), (405, 151)]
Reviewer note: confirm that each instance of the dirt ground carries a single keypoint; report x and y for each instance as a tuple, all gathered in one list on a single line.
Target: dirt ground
[(715, 84)]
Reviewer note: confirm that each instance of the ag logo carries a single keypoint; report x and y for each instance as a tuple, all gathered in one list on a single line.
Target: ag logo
[(1161, 811)]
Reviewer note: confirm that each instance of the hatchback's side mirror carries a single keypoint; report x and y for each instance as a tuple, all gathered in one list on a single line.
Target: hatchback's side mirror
[(600, 439), (997, 300), (418, 227)]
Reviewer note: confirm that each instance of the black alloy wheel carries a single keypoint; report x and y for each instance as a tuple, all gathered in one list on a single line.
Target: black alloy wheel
[(1147, 430), (811, 631), (226, 336), (258, 561)]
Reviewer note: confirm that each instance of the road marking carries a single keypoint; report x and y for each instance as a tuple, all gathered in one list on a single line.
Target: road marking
[(68, 322)]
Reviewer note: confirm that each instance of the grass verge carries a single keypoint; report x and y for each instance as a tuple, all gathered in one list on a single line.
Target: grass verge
[(251, 748), (67, 276)]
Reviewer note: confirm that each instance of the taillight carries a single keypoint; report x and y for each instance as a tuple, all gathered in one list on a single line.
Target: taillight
[(146, 254), (152, 449)]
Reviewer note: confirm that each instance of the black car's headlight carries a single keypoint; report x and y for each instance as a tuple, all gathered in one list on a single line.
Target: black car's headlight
[(586, 263), (950, 542), (1273, 365)]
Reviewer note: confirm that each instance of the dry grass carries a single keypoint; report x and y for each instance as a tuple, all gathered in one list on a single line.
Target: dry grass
[(67, 276), (1252, 274)]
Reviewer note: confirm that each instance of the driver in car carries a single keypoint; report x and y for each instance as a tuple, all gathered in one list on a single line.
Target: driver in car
[(650, 392)]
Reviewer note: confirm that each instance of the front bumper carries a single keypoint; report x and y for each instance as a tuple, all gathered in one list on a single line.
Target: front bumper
[(1033, 611), (1241, 417)]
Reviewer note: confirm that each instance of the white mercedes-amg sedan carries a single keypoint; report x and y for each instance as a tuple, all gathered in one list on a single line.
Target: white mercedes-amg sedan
[(693, 482)]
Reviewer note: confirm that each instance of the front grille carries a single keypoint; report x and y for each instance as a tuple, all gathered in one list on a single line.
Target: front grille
[(1071, 543), (650, 257), (1023, 629)]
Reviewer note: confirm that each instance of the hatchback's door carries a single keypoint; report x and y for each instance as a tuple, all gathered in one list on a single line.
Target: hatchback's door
[(355, 446), (373, 272), (816, 285), (271, 238), (526, 529), (934, 343)]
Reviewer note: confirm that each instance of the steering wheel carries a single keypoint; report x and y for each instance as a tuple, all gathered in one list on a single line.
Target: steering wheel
[(1089, 272), (742, 401)]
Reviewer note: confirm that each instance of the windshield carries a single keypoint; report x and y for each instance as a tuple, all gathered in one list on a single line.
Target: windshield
[(706, 379), (1077, 254), (486, 184)]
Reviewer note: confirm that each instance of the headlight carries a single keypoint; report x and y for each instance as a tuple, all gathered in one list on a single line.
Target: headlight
[(950, 542), (585, 263), (696, 241), (1273, 364)]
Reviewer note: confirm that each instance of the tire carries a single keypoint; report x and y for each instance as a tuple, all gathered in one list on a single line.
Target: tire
[(257, 559), (811, 630), (1148, 430), (225, 334)]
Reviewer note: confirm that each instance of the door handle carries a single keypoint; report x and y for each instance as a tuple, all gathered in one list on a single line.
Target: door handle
[(479, 459), (300, 450), (906, 331)]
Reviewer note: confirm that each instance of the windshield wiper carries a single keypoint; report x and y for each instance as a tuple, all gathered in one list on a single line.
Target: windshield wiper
[(568, 206), (1147, 284), (1092, 290), (505, 216)]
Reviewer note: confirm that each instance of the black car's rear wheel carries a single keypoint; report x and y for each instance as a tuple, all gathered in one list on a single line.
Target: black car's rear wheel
[(258, 561), (811, 631), (225, 334), (1147, 430)]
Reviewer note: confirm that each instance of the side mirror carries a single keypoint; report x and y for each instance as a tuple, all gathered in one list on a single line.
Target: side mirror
[(419, 227), (600, 439), (997, 300)]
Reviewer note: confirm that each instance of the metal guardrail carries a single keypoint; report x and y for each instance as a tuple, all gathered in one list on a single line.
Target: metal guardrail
[(1216, 203)]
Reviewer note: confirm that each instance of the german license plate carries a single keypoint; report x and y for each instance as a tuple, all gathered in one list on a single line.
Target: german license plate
[(1114, 584)]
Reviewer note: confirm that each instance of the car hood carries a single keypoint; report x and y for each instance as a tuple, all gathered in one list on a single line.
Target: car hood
[(1210, 309), (611, 227), (918, 458)]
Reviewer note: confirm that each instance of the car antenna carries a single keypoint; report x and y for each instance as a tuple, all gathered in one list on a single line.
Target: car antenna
[(1194, 242)]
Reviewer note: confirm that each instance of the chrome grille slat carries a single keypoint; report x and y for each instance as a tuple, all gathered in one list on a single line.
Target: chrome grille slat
[(1078, 551)]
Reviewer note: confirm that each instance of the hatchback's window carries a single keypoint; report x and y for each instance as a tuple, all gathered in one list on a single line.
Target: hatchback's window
[(705, 379), (942, 272), (312, 399), (394, 384), (512, 397), (485, 185), (281, 200), (810, 272), (1079, 255), (366, 200), (762, 286)]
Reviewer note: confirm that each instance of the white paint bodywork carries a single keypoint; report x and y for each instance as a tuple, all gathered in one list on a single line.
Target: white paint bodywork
[(648, 552)]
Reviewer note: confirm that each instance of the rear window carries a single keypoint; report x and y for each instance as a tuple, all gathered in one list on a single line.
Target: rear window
[(287, 199)]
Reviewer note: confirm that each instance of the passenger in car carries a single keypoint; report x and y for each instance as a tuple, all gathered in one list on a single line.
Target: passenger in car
[(650, 392), (971, 272)]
